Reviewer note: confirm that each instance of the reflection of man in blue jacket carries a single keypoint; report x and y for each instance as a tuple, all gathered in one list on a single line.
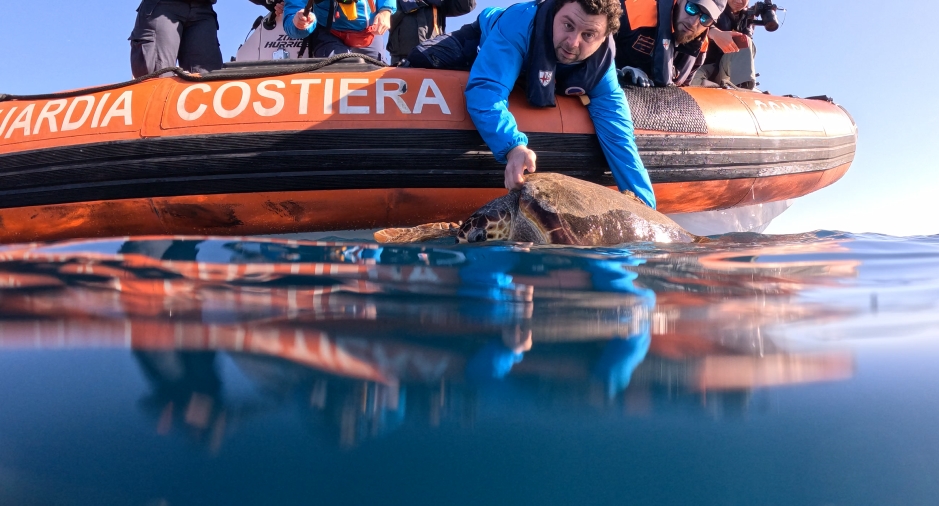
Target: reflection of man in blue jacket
[(560, 46), (340, 26)]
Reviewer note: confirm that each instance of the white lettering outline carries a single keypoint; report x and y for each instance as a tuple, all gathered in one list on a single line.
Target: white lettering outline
[(67, 123), (328, 97), (3, 126), (240, 108), (305, 93), (126, 111), (423, 99), (184, 114), (22, 122), (381, 94), (97, 117), (345, 93), (46, 115), (277, 97)]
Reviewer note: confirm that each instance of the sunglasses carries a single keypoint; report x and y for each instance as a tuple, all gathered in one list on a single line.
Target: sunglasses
[(695, 10)]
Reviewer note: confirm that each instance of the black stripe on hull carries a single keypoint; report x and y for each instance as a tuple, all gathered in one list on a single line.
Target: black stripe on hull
[(357, 159)]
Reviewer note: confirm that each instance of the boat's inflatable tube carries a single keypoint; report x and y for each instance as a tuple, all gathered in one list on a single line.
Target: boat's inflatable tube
[(354, 145)]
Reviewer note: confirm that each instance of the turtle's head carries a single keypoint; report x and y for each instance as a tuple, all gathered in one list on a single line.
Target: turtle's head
[(492, 222)]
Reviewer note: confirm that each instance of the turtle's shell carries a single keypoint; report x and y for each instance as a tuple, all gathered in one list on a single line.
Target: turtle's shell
[(555, 209), (558, 209)]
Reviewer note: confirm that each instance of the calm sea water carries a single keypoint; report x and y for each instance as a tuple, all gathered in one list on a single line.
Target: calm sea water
[(755, 370)]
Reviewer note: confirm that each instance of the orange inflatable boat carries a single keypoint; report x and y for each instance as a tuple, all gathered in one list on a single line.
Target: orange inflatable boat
[(307, 145)]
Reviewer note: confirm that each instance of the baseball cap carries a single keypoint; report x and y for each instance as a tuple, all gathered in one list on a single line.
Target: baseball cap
[(713, 7)]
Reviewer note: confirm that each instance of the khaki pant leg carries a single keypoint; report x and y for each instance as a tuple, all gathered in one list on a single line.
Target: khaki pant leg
[(738, 67), (704, 73)]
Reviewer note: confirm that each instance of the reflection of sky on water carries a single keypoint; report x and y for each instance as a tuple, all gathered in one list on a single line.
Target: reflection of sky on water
[(758, 372)]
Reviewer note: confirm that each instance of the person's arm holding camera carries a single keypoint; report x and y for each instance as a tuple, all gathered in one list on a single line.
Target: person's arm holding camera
[(730, 40)]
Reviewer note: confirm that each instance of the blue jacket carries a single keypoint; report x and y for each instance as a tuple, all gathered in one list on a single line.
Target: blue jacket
[(321, 10), (503, 50)]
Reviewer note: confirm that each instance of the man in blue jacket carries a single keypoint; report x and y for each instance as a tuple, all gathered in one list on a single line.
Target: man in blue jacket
[(340, 26), (561, 46)]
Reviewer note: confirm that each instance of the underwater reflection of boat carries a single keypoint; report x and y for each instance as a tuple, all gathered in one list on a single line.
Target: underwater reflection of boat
[(368, 385), (278, 147), (352, 325)]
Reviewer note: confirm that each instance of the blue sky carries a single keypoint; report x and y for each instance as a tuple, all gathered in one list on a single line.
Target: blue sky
[(856, 52)]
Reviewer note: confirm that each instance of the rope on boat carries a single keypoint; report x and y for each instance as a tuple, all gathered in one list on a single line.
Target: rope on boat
[(256, 72)]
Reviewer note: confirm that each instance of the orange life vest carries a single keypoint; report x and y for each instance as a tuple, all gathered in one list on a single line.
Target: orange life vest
[(644, 41)]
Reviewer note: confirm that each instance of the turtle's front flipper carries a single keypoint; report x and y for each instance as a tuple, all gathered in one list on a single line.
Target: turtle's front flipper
[(420, 233)]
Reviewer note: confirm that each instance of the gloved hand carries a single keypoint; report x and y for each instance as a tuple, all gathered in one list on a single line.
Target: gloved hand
[(633, 76)]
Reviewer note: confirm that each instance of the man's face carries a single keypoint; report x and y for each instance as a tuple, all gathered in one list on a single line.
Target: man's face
[(737, 5), (687, 27), (577, 35)]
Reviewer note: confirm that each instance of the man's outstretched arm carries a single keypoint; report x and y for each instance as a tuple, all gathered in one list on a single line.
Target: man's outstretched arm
[(614, 126), (487, 95)]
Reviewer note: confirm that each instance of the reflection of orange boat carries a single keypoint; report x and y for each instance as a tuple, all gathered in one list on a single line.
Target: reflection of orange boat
[(353, 146), (332, 321)]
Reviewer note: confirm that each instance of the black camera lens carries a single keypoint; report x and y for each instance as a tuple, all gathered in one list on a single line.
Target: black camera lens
[(770, 20)]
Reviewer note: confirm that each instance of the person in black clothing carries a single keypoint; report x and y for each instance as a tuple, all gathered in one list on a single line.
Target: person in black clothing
[(418, 20), (168, 31), (730, 57), (663, 42)]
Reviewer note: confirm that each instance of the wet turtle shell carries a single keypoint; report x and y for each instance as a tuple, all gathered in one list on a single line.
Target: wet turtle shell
[(557, 209)]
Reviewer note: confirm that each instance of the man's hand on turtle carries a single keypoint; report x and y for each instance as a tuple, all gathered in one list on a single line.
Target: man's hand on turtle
[(724, 40), (633, 76), (303, 22), (382, 22), (521, 160)]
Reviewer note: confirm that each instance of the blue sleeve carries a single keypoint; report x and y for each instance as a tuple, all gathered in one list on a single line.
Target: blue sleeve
[(389, 5), (620, 359), (491, 80), (614, 125), (493, 362), (291, 8)]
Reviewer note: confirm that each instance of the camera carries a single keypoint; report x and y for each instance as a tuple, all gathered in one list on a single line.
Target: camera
[(270, 21), (766, 11), (269, 4)]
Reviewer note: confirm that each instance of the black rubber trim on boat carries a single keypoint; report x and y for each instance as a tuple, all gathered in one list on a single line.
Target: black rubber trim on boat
[(669, 109), (322, 160), (244, 72)]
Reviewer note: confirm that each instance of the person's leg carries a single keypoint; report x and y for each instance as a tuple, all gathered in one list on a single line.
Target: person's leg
[(704, 74), (742, 68), (451, 51), (373, 49), (199, 49), (326, 44), (154, 43), (738, 67)]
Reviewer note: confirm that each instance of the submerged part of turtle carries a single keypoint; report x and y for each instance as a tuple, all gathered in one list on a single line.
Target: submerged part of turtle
[(556, 209)]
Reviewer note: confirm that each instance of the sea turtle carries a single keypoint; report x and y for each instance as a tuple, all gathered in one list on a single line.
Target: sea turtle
[(554, 209)]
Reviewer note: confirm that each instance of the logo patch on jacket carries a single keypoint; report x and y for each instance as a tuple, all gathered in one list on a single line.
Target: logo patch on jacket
[(665, 43), (545, 77), (644, 44)]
